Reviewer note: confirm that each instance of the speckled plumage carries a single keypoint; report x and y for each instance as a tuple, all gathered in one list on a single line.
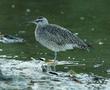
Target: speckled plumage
[(57, 38)]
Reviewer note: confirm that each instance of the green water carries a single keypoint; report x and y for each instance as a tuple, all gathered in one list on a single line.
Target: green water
[(89, 18)]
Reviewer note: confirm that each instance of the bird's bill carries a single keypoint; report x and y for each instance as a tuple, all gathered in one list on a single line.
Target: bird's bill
[(32, 22)]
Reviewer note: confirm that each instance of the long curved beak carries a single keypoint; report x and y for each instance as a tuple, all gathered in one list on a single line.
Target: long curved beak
[(31, 22)]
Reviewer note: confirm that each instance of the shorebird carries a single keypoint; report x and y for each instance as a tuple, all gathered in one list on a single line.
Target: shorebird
[(55, 37)]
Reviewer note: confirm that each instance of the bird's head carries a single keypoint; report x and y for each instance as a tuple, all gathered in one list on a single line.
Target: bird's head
[(41, 21)]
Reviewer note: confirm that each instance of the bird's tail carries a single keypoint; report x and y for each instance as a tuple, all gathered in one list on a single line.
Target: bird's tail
[(85, 46)]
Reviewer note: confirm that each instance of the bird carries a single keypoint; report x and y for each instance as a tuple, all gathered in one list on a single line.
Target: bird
[(55, 37)]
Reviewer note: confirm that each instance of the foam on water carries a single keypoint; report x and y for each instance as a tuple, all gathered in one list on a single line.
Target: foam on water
[(28, 75)]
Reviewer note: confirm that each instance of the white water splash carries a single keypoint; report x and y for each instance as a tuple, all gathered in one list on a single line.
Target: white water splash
[(28, 75)]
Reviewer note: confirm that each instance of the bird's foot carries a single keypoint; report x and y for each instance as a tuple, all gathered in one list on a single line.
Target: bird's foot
[(53, 64)]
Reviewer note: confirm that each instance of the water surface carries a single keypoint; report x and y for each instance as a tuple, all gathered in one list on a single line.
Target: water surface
[(90, 19)]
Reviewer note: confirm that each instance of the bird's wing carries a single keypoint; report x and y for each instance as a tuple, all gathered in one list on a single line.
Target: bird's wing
[(62, 36)]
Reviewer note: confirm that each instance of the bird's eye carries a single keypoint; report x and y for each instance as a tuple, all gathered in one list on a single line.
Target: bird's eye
[(38, 20)]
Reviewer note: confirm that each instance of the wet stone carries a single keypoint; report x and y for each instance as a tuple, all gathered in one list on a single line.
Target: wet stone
[(4, 78)]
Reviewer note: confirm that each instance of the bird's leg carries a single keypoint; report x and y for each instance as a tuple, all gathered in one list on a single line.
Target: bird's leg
[(55, 57)]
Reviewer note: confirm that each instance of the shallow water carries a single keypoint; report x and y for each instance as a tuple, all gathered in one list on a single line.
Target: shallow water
[(88, 19), (28, 75)]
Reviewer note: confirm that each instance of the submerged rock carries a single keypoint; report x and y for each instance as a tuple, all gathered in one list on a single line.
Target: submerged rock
[(10, 39), (4, 78)]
